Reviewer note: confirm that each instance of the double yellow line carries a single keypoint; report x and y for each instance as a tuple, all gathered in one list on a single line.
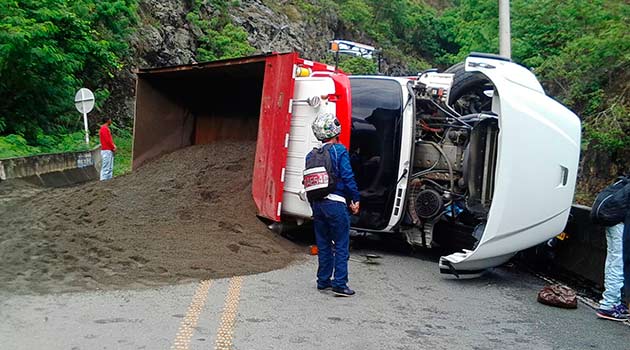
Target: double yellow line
[(182, 339), (228, 316)]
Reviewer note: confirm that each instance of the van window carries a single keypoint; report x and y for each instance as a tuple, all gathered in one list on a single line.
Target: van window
[(375, 147)]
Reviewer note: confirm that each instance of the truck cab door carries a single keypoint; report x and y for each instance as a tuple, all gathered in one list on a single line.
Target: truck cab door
[(381, 148)]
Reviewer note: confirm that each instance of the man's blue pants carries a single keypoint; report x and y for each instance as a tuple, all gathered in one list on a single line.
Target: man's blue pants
[(614, 271), (626, 260), (332, 225)]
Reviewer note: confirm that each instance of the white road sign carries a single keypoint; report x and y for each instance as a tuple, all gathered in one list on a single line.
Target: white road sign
[(84, 100)]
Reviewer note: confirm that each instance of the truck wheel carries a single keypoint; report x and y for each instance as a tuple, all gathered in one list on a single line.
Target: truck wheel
[(467, 93)]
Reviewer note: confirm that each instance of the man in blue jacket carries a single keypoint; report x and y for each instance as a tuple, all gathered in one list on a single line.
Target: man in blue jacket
[(330, 214)]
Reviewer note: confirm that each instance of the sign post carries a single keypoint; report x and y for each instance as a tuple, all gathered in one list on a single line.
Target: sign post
[(505, 46), (84, 101)]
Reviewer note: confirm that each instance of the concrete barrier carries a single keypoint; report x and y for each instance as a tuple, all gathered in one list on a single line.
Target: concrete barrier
[(55, 169), (583, 252)]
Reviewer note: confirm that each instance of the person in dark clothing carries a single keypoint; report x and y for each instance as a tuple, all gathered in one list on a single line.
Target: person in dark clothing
[(330, 214), (626, 262), (612, 202), (611, 307)]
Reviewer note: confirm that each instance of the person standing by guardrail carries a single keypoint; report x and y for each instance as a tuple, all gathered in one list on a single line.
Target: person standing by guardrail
[(625, 294), (610, 209), (611, 306), (108, 149)]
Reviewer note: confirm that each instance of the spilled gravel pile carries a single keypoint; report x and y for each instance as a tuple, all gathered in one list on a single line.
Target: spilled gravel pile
[(185, 216)]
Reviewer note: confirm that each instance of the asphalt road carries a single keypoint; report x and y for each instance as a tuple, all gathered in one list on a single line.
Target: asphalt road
[(402, 303)]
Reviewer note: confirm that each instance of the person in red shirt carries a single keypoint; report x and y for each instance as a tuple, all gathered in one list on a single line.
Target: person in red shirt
[(108, 149)]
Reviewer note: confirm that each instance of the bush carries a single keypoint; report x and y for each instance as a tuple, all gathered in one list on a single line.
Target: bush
[(221, 39), (17, 146), (358, 65), (578, 49), (124, 145), (48, 50)]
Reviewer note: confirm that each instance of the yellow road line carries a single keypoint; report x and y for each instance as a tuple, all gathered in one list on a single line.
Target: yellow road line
[(185, 332), (226, 329)]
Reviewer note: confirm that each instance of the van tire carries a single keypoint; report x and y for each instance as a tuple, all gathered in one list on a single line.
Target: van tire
[(466, 83)]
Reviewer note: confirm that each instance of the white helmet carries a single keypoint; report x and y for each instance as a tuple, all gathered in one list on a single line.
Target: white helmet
[(326, 126)]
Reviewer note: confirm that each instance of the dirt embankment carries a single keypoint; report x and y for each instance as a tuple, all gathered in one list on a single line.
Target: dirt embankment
[(187, 215)]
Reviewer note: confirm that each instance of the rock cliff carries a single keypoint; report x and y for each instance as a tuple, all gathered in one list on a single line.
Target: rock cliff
[(166, 37)]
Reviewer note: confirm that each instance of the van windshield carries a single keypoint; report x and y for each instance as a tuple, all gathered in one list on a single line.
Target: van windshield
[(375, 147)]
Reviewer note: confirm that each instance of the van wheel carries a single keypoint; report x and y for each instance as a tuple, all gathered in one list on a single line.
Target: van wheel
[(467, 93)]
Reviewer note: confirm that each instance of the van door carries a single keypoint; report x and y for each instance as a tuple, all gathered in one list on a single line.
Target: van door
[(273, 135), (537, 161)]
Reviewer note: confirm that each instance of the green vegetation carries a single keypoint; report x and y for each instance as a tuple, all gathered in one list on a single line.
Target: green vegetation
[(221, 39), (17, 146), (580, 50), (123, 139), (407, 31), (357, 65), (48, 50)]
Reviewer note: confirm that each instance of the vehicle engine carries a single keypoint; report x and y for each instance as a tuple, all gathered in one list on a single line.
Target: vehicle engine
[(453, 163)]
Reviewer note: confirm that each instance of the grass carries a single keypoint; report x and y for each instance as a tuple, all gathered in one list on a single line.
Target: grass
[(12, 146), (124, 142)]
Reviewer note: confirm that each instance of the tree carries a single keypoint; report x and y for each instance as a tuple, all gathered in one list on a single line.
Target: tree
[(49, 49)]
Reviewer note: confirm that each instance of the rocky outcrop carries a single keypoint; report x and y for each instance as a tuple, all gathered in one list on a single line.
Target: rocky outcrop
[(273, 31), (598, 168), (165, 37)]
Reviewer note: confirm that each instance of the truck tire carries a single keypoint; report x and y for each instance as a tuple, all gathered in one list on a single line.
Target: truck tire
[(467, 93)]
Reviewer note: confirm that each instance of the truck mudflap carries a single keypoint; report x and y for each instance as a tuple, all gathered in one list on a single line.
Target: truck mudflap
[(535, 175)]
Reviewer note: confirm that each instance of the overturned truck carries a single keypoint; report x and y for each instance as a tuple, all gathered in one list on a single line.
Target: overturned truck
[(477, 159)]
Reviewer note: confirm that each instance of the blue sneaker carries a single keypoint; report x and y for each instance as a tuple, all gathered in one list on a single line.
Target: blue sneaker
[(622, 309), (322, 287), (343, 292), (613, 315)]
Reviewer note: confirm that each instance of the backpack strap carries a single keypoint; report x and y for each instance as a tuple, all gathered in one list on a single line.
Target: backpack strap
[(335, 162)]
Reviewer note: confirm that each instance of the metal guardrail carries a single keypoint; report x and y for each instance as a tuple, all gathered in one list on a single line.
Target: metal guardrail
[(583, 251), (576, 256)]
